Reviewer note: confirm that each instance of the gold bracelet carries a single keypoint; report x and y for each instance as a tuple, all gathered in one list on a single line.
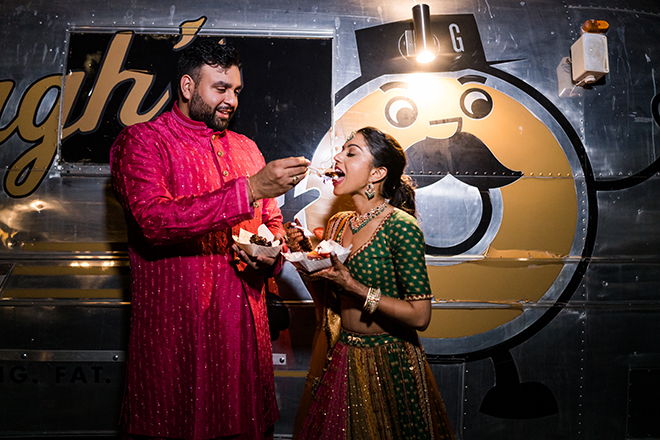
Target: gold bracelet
[(255, 203), (371, 302)]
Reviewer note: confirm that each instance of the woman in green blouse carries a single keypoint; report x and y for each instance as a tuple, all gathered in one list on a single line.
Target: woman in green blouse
[(369, 378)]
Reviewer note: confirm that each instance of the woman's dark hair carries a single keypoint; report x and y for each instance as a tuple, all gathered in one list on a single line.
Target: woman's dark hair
[(388, 153), (205, 50)]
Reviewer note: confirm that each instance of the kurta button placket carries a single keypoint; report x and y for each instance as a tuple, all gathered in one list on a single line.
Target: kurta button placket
[(216, 148)]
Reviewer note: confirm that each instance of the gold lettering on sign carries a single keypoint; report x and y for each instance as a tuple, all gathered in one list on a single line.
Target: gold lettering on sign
[(26, 173), (188, 30), (29, 169), (111, 74)]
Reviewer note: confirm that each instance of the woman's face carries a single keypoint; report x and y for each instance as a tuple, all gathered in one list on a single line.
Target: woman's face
[(354, 164)]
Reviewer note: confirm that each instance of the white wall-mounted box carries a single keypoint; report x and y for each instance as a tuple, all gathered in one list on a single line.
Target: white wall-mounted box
[(589, 58)]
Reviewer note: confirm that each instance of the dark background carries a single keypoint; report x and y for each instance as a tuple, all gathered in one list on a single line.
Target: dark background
[(285, 106)]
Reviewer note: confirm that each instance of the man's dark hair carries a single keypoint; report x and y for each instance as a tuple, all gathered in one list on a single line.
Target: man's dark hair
[(208, 51)]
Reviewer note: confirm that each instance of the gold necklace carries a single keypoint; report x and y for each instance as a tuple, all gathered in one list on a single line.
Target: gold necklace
[(359, 221)]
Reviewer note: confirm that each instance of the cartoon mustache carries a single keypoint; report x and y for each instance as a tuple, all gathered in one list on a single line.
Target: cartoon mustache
[(464, 156)]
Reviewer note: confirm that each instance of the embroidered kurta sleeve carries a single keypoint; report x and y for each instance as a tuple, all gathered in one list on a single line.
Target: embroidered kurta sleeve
[(145, 170)]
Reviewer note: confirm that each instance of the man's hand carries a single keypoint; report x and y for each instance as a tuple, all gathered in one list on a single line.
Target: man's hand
[(260, 263), (278, 177)]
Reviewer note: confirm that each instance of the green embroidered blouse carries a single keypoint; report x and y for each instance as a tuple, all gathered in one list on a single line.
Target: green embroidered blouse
[(393, 258)]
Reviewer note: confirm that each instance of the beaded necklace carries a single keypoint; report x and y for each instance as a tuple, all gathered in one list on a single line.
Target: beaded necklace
[(359, 221)]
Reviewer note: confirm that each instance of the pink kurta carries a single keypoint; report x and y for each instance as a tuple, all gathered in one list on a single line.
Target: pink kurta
[(200, 359)]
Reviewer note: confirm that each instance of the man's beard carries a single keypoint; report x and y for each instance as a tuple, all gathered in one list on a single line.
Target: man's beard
[(199, 110)]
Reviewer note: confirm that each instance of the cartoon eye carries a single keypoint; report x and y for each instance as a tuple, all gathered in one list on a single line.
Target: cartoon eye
[(401, 112), (476, 103)]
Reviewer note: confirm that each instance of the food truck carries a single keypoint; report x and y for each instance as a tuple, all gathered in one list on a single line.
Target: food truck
[(532, 136)]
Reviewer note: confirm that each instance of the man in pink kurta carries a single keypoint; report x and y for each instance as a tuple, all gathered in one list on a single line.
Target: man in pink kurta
[(200, 360)]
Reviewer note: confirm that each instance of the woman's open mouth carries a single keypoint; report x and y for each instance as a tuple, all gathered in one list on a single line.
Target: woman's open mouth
[(336, 175)]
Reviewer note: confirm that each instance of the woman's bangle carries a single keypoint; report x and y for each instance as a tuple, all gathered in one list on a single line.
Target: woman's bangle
[(255, 203), (371, 302)]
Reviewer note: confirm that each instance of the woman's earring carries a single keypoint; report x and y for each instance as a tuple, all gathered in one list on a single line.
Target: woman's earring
[(370, 192)]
